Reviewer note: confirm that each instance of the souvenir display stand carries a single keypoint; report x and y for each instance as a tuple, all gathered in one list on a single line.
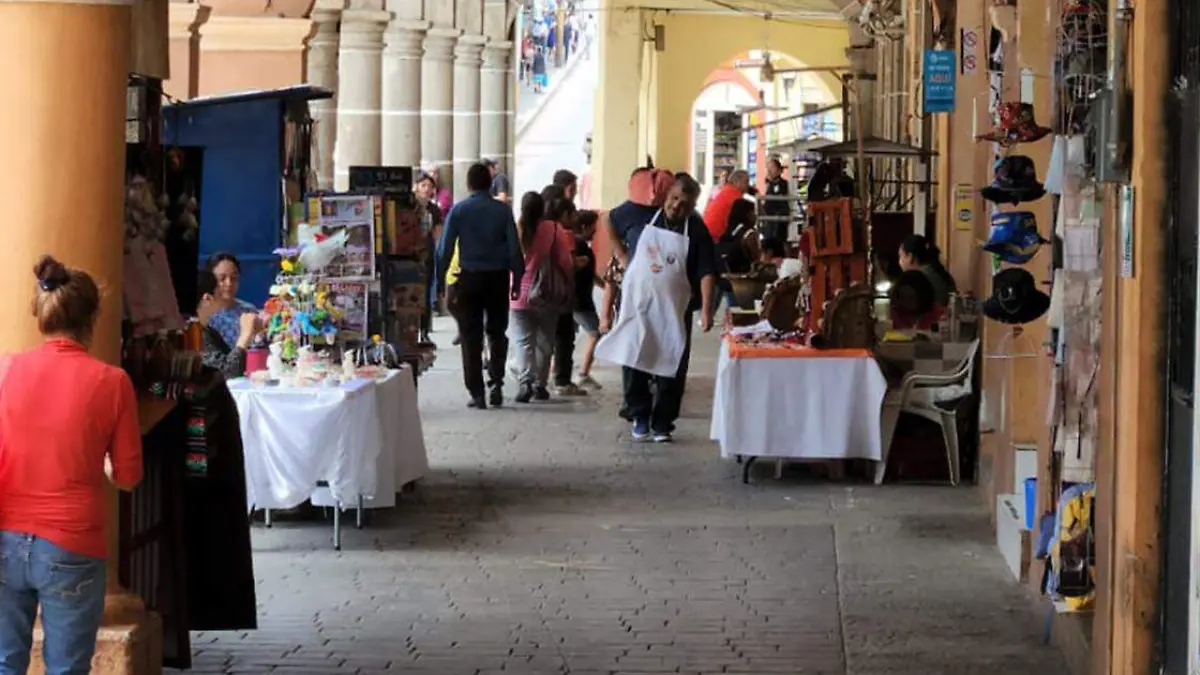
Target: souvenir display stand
[(333, 417), (399, 284)]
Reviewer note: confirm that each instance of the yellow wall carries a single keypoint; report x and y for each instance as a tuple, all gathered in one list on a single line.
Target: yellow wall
[(644, 97), (697, 44)]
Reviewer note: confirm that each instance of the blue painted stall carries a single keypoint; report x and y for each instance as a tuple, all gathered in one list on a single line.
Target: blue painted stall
[(242, 209)]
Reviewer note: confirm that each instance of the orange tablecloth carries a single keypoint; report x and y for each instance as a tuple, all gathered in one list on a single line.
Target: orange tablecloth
[(752, 350)]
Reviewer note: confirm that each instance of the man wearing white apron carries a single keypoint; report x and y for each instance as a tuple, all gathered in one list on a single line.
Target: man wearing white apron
[(670, 263)]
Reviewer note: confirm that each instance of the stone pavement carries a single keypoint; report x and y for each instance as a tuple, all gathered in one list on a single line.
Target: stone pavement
[(545, 541)]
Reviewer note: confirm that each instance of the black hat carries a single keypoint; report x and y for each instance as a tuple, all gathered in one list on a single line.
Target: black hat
[(1015, 181), (1015, 298)]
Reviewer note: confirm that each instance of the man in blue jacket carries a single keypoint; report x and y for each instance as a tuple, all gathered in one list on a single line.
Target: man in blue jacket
[(490, 266)]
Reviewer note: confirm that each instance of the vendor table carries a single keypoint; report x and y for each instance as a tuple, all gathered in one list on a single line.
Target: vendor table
[(402, 458), (297, 437), (792, 402)]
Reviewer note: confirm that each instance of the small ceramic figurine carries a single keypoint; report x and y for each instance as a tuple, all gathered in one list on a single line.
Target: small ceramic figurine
[(348, 366), (275, 364)]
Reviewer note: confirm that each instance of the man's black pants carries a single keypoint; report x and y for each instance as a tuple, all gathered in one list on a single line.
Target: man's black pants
[(476, 298), (654, 398), (564, 349)]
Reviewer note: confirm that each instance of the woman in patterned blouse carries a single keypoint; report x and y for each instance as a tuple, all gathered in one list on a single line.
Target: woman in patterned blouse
[(229, 309), (229, 357)]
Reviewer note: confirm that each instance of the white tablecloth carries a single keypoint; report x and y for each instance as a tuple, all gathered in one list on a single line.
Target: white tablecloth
[(296, 436), (800, 408), (402, 457)]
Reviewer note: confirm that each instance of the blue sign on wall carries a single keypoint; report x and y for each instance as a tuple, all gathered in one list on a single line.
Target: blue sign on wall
[(940, 70)]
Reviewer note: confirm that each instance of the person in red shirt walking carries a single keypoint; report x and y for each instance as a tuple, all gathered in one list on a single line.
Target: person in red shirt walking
[(65, 418)]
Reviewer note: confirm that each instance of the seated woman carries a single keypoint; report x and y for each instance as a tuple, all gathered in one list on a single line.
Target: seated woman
[(228, 312), (913, 304), (919, 254), (229, 358)]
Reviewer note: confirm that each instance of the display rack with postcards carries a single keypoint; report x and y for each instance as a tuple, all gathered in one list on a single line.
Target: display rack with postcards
[(381, 199)]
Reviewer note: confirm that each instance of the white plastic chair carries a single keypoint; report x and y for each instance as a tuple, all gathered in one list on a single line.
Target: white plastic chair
[(935, 397)]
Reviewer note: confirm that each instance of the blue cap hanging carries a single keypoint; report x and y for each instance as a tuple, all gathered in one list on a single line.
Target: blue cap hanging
[(1014, 237)]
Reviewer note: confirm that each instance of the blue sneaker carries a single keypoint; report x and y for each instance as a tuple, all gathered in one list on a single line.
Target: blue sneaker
[(641, 430), (663, 437)]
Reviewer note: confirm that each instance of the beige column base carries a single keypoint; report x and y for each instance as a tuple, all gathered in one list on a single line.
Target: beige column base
[(130, 646)]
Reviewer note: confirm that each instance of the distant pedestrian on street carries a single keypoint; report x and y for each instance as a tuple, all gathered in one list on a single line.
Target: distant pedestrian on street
[(500, 189), (70, 427), (528, 50), (490, 265), (540, 78)]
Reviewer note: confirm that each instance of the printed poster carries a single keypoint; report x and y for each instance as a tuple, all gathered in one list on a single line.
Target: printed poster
[(351, 218), (350, 297)]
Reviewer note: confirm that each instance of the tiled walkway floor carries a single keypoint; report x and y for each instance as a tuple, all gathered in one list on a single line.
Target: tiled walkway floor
[(546, 542)]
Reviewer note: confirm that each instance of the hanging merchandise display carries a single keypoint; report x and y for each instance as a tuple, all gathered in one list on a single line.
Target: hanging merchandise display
[(1017, 124), (149, 293), (1015, 298), (1014, 237), (1014, 181)]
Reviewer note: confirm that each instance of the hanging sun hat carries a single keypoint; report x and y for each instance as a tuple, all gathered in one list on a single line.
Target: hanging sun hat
[(1014, 237), (1015, 298), (1015, 181), (1018, 124)]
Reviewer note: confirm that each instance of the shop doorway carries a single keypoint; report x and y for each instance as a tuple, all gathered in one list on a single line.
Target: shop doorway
[(1180, 626)]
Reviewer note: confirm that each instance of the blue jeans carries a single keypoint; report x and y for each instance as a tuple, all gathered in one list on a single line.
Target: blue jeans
[(70, 589)]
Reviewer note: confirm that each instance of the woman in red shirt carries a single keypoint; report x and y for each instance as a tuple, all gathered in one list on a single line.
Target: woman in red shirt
[(66, 419)]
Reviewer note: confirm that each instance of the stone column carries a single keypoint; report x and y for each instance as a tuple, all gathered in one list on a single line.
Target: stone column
[(321, 70), (510, 113), (53, 107), (360, 80), (466, 107), (493, 102), (403, 48), (437, 100)]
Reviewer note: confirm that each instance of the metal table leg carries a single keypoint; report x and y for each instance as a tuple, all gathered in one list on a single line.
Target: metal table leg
[(267, 517), (746, 469), (358, 516), (337, 526)]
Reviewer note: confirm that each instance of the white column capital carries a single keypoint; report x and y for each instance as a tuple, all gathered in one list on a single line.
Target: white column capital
[(496, 55), (363, 29), (405, 39), (254, 34), (468, 50), (439, 43)]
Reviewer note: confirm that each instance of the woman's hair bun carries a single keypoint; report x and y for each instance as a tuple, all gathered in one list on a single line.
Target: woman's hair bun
[(50, 273)]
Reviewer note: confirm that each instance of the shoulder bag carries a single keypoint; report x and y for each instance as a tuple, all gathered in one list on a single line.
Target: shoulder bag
[(551, 288)]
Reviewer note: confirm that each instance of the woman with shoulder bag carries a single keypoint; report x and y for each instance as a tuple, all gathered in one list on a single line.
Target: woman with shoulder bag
[(546, 291)]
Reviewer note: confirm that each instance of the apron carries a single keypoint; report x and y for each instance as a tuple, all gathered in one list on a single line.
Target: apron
[(650, 334)]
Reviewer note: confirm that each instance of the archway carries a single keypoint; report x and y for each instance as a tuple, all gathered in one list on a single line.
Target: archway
[(683, 71), (740, 115)]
